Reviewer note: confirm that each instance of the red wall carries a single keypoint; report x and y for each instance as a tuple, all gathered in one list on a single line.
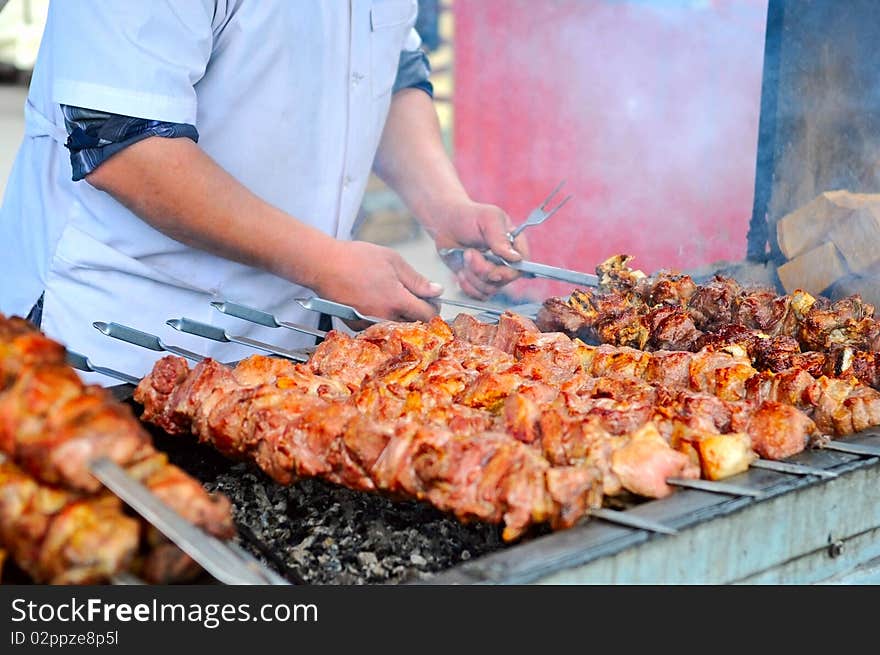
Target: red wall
[(649, 110)]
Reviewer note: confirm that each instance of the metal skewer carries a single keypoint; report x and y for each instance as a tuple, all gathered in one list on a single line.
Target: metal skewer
[(349, 313), (852, 448), (714, 487), (469, 304), (792, 468), (262, 318), (219, 334), (222, 562), (346, 312), (126, 578), (82, 363), (143, 339), (631, 520)]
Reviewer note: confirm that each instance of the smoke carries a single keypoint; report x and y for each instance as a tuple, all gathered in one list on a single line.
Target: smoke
[(649, 110)]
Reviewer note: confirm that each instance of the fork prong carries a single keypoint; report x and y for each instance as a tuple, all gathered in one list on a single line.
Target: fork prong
[(556, 208), (552, 193)]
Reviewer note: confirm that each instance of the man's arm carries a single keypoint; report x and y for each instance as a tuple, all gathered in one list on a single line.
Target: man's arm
[(173, 185), (412, 160)]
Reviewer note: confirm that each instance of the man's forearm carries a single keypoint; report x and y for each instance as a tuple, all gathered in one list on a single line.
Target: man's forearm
[(412, 159), (173, 185)]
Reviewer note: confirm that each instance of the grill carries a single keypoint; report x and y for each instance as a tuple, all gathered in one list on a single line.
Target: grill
[(803, 529), (784, 527)]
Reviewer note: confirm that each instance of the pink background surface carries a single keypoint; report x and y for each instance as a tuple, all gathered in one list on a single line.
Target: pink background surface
[(649, 110)]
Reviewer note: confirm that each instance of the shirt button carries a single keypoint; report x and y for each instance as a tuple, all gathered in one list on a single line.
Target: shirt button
[(346, 181), (356, 78)]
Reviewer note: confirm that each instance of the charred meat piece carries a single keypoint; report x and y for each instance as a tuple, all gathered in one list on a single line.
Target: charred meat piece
[(843, 361), (625, 328), (395, 338), (776, 353), (667, 288), (789, 386), (669, 369), (859, 411), (671, 328), (731, 335), (555, 315), (761, 309), (619, 362), (714, 304), (615, 274), (848, 321), (721, 372)]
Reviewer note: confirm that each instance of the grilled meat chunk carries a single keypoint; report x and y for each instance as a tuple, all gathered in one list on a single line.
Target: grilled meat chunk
[(58, 537), (55, 517), (778, 431)]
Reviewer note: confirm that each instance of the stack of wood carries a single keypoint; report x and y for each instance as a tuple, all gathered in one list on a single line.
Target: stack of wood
[(833, 246)]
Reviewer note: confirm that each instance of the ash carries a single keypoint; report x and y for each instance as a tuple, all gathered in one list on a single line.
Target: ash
[(316, 533)]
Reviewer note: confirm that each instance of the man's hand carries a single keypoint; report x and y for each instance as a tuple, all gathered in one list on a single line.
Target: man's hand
[(413, 161), (478, 227), (377, 282)]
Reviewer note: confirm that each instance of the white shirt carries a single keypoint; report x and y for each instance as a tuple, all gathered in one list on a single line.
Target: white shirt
[(290, 97)]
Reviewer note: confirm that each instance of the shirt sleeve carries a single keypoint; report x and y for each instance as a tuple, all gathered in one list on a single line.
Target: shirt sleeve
[(413, 69), (94, 136), (130, 58)]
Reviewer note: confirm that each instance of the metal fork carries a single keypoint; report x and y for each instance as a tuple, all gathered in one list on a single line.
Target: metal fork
[(539, 214)]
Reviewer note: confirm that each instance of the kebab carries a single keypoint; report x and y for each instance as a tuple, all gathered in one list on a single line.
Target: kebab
[(404, 375), (670, 312), (58, 536), (52, 426), (291, 433)]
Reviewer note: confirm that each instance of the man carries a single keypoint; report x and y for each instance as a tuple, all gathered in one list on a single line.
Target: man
[(179, 152)]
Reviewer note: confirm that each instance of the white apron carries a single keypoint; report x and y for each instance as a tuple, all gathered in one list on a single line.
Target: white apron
[(289, 97)]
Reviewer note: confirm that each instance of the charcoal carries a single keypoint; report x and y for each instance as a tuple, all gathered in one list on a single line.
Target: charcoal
[(317, 533)]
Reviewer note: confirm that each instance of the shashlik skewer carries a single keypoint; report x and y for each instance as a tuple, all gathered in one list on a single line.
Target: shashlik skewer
[(147, 340), (82, 363), (262, 318), (289, 433), (669, 311), (56, 428), (749, 369), (330, 360), (62, 537), (217, 558), (59, 537), (612, 516), (144, 340), (749, 372), (215, 333)]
